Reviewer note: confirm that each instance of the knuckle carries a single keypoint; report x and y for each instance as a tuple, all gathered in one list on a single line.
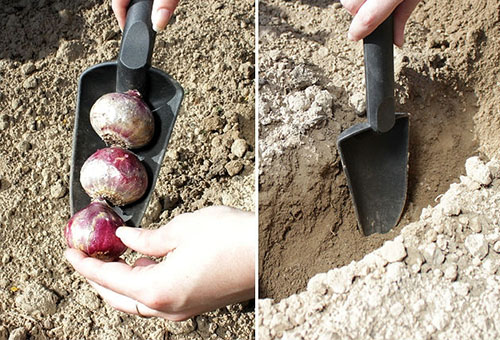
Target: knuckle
[(368, 21), (349, 5)]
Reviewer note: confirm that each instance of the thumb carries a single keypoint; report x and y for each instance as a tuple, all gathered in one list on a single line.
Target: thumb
[(145, 241), (162, 11)]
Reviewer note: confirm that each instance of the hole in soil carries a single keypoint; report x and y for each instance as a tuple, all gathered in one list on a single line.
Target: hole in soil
[(307, 221)]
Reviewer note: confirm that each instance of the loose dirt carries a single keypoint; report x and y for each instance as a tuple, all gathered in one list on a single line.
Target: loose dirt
[(311, 86), (46, 45)]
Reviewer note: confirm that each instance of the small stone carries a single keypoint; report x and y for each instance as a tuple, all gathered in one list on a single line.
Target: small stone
[(18, 334), (213, 123), (496, 247), (180, 327), (394, 271), (431, 235), (475, 224), (234, 167), (477, 245), (451, 272), (36, 298), (239, 147), (23, 146), (442, 242), (340, 280), (477, 170), (418, 306), (30, 83), (57, 190), (433, 254), (393, 251), (396, 309), (490, 266), (317, 284), (28, 68), (461, 288), (323, 52), (438, 273), (494, 166), (357, 101), (247, 70), (6, 259)]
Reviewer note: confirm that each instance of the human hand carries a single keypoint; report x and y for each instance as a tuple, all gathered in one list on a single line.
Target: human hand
[(209, 262), (160, 15), (368, 14)]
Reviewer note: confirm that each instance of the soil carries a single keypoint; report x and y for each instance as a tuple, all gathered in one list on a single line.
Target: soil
[(46, 45), (311, 87)]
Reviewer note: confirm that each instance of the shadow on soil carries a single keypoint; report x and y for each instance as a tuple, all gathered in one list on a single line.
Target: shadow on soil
[(33, 30)]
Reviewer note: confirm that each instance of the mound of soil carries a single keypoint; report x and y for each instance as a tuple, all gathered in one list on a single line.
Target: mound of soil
[(46, 45), (311, 86)]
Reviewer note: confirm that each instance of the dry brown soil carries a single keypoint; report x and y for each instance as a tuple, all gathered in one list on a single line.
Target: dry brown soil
[(446, 78), (45, 46)]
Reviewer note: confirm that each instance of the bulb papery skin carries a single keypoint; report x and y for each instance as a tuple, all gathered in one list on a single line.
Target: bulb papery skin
[(92, 230), (123, 119), (114, 174)]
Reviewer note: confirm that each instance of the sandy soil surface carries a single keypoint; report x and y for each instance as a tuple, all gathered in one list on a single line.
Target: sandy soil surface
[(311, 86), (45, 47)]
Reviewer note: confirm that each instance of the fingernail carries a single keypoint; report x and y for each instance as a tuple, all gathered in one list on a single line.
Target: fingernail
[(160, 19), (350, 37)]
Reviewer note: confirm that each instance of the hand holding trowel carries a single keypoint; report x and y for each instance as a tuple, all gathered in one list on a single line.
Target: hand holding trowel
[(374, 154)]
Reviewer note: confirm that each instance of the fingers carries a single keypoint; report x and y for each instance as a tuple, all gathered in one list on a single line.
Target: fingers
[(401, 16), (157, 242), (116, 276), (124, 303), (162, 11), (352, 6), (371, 14), (120, 9)]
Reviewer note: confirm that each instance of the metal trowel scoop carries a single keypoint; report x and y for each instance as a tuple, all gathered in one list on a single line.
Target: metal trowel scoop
[(374, 154), (132, 70)]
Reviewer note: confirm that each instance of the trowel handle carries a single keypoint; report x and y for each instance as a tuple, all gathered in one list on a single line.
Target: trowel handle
[(136, 48), (379, 76)]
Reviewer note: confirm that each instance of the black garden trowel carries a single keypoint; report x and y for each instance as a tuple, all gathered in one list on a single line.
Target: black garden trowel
[(132, 70), (374, 154)]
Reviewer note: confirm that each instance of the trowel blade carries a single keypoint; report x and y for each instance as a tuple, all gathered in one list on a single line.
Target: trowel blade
[(376, 167)]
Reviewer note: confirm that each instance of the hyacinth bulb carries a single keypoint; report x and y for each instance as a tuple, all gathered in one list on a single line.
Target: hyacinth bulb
[(114, 174), (92, 230), (123, 119)]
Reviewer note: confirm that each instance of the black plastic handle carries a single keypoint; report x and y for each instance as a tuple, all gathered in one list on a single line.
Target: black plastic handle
[(379, 76), (136, 48)]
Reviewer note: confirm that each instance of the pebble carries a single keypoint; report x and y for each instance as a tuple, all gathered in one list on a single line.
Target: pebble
[(213, 123), (451, 272), (490, 266), (432, 254), (394, 271), (30, 83), (181, 327), (234, 167), (340, 280), (58, 190), (6, 259), (496, 247), (317, 285), (28, 68), (393, 251), (18, 334), (357, 100), (396, 309), (477, 170), (475, 224), (477, 245), (247, 70), (239, 147)]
